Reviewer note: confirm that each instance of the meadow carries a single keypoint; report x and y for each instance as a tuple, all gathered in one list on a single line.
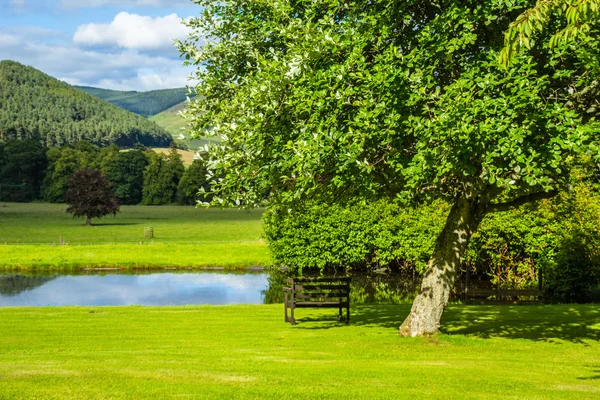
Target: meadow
[(484, 352), (43, 236)]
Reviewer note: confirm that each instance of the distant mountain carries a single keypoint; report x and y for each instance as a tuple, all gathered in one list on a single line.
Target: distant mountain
[(142, 103), (34, 105)]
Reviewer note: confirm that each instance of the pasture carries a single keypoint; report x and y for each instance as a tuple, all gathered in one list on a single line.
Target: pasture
[(37, 235)]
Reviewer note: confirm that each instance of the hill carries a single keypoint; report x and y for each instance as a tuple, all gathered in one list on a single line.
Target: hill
[(142, 103), (173, 123), (36, 106), (170, 119)]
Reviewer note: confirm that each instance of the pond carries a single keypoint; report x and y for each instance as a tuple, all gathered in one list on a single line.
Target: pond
[(115, 289), (182, 288)]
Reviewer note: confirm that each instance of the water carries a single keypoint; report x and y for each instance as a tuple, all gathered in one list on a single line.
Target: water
[(115, 289), (166, 288)]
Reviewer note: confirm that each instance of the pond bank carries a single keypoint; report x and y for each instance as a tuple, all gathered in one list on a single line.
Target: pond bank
[(226, 255)]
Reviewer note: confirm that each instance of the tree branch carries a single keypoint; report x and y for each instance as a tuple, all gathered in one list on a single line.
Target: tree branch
[(519, 201)]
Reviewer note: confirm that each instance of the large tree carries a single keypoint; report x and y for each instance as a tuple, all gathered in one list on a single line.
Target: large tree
[(333, 99)]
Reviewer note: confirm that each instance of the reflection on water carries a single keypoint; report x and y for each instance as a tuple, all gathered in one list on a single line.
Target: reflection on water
[(12, 285), (163, 288), (129, 289)]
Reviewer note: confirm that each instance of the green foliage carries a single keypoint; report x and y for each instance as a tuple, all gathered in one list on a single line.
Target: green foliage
[(37, 106), (577, 17), (161, 178), (62, 164), (510, 247), (360, 235), (193, 179), (575, 271), (142, 103), (89, 195), (125, 171), (22, 163), (330, 98)]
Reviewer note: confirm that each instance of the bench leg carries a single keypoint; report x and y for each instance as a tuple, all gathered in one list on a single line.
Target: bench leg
[(285, 305), (340, 314), (348, 312), (292, 319)]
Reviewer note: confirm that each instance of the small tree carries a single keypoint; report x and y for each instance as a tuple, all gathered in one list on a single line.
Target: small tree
[(90, 195)]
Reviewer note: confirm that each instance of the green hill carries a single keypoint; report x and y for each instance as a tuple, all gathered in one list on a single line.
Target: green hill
[(142, 103), (36, 106), (173, 123), (170, 120)]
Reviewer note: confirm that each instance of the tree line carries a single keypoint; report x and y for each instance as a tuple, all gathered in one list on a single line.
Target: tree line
[(37, 106), (29, 171)]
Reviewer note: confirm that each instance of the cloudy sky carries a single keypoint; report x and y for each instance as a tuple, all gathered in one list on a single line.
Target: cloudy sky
[(112, 44)]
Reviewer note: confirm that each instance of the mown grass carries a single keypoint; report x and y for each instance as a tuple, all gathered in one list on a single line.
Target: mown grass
[(44, 236), (538, 352)]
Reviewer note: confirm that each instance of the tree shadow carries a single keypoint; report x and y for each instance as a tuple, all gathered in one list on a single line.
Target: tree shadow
[(549, 323), (595, 370), (382, 316), (574, 323), (99, 224)]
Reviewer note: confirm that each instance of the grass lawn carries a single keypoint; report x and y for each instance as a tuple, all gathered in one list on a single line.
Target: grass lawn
[(486, 352), (30, 237)]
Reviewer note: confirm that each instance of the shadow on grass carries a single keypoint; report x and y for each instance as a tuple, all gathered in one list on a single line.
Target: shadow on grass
[(382, 316), (572, 323), (99, 224), (550, 323), (595, 370)]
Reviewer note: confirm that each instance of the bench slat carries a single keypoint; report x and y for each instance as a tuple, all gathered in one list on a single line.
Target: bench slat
[(320, 287), (305, 295), (503, 292), (490, 302), (333, 304), (342, 279)]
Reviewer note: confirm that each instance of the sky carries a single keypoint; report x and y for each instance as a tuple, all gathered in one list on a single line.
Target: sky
[(111, 44)]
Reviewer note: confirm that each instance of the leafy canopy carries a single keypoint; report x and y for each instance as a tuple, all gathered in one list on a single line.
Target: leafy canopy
[(331, 99), (580, 17), (90, 195)]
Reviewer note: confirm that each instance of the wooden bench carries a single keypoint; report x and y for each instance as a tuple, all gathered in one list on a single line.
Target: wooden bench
[(503, 296), (317, 292)]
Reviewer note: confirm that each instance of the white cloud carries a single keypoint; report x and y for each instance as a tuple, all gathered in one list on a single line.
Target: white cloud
[(123, 3), (132, 31), (112, 69), (17, 4)]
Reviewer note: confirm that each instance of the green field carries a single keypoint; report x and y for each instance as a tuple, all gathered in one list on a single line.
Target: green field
[(227, 352), (31, 237)]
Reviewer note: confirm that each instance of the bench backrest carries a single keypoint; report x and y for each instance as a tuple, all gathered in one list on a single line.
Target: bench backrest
[(318, 288)]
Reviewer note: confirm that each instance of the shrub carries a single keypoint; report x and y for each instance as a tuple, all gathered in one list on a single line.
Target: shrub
[(574, 273), (359, 235)]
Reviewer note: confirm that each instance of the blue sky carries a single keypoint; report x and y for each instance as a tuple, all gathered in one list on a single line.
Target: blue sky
[(113, 44)]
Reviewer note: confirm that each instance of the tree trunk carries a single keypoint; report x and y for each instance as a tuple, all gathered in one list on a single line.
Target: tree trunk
[(439, 278), (89, 221)]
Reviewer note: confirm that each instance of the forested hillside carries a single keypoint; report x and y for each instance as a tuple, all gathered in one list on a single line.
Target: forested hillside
[(37, 106), (143, 103)]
